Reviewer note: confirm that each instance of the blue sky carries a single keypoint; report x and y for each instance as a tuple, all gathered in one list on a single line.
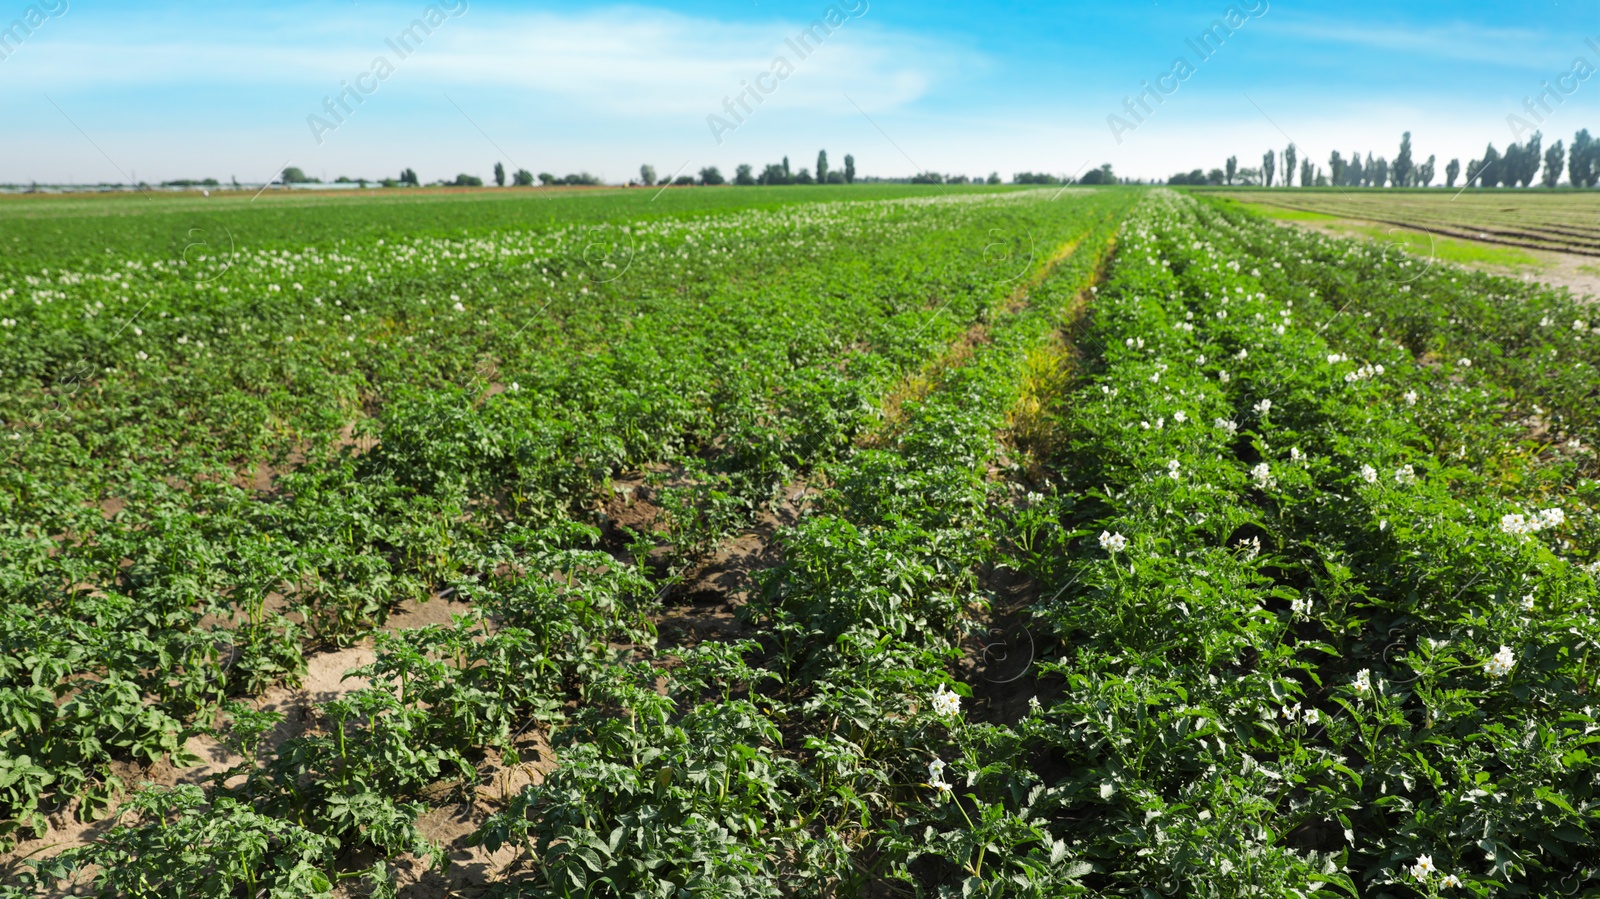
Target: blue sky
[(101, 91)]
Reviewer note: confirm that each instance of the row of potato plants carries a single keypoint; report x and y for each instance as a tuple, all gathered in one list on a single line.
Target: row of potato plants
[(1307, 643), (769, 367)]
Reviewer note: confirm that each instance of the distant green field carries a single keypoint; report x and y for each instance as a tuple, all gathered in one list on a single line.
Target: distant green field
[(72, 227), (1560, 220), (1419, 242), (1423, 243), (1294, 215)]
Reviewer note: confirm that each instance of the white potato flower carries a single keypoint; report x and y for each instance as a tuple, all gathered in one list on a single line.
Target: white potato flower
[(1501, 664)]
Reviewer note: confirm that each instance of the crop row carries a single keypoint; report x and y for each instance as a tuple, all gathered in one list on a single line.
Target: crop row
[(1305, 647)]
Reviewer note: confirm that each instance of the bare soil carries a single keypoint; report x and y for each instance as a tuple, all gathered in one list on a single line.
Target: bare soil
[(452, 821), (716, 588), (324, 681)]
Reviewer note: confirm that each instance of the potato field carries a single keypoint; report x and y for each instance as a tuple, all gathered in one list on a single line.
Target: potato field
[(787, 542)]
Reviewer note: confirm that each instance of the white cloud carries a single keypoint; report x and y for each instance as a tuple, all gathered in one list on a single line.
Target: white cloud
[(1509, 47), (629, 62), (632, 61)]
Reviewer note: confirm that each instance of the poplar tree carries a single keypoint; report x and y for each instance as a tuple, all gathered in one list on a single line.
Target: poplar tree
[(1580, 160), (1555, 159), (1401, 170), (1528, 169), (1424, 176), (1488, 170)]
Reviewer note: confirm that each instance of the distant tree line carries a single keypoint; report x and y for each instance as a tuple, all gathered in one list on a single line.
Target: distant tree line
[(1519, 166), (745, 174), (520, 178), (775, 173), (1101, 175)]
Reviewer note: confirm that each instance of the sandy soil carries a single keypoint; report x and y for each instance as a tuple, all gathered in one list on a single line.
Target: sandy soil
[(324, 681), (704, 608)]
